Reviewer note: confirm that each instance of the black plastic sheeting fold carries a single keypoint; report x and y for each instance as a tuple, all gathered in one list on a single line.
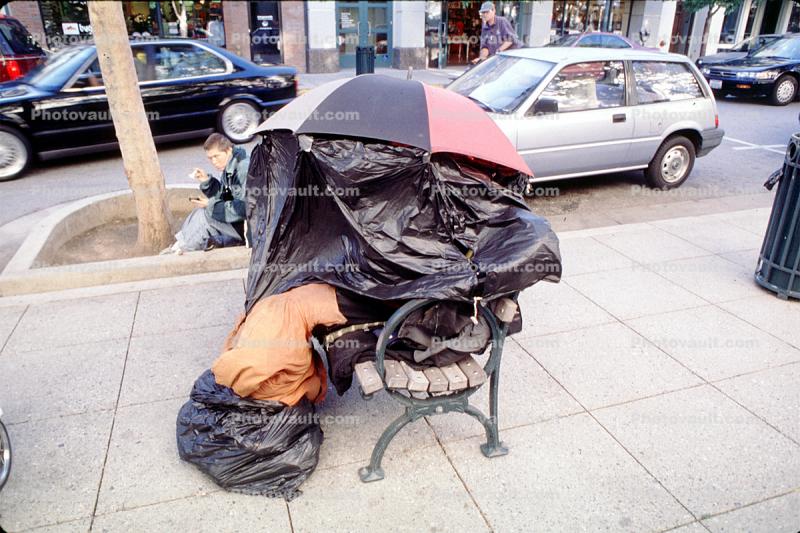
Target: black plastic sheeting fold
[(389, 222)]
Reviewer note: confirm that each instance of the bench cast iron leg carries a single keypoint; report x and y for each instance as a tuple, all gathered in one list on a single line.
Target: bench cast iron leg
[(493, 447), (374, 472)]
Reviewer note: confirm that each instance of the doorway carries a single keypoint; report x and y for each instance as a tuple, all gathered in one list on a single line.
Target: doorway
[(364, 24)]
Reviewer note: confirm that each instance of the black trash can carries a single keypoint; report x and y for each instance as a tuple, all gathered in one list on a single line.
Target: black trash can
[(779, 262), (365, 60)]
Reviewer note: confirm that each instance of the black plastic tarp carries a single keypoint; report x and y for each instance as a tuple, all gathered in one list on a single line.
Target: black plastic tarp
[(245, 445), (389, 222)]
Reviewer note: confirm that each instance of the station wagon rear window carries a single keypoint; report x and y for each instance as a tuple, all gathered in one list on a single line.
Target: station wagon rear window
[(661, 81)]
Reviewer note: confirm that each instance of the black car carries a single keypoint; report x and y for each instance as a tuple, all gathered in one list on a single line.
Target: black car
[(773, 71), (189, 89), (740, 50)]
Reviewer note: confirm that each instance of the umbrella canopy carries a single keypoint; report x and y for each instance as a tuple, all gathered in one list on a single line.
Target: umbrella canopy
[(404, 111)]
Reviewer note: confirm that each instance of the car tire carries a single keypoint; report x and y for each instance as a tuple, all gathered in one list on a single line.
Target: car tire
[(15, 154), (784, 91), (672, 163), (238, 121)]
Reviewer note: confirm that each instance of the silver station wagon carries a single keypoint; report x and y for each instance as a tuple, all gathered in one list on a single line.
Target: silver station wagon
[(575, 112)]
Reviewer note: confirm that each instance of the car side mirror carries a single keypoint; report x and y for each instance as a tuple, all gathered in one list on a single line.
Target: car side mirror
[(545, 106)]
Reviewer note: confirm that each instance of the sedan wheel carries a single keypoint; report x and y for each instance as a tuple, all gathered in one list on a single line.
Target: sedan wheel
[(785, 91), (14, 155), (239, 121)]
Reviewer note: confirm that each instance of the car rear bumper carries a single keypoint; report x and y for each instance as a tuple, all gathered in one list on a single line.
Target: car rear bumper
[(710, 139)]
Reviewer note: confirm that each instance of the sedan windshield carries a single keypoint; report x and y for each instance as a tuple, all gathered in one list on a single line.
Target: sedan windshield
[(783, 48), (502, 83)]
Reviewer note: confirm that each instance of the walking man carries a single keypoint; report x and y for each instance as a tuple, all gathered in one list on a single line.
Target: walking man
[(497, 34)]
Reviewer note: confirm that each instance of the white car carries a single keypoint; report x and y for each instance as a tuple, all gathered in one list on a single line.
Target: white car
[(575, 112)]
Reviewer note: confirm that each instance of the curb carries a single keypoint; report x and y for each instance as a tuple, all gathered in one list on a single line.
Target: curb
[(21, 276)]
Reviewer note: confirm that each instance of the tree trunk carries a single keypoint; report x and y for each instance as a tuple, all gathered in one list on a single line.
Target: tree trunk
[(139, 155)]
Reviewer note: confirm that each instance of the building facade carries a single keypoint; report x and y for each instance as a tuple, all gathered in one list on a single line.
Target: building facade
[(323, 35)]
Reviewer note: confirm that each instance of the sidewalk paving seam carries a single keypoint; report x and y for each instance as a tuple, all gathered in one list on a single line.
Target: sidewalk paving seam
[(48, 526), (745, 506), (458, 475), (698, 522), (116, 406), (588, 412), (734, 400), (169, 500), (11, 333), (56, 417)]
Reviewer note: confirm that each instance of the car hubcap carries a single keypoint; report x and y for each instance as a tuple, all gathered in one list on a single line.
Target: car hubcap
[(13, 155), (785, 91), (239, 121), (675, 164)]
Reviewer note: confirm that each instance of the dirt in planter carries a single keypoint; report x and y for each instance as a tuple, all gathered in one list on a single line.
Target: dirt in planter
[(115, 240)]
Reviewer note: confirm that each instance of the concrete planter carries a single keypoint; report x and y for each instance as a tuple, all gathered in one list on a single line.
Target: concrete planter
[(27, 271)]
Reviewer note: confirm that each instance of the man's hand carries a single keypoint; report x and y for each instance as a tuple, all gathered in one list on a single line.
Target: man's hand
[(202, 202), (199, 174), (476, 60)]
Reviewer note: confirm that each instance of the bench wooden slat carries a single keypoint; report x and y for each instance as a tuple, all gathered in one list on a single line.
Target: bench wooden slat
[(417, 381), (474, 372), (456, 379), (368, 377), (396, 378), (437, 382)]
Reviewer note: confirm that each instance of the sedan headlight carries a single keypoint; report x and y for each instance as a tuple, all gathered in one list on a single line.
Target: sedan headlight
[(767, 75), (706, 71), (763, 75)]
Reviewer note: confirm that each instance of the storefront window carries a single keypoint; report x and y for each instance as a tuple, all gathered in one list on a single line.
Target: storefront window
[(751, 17), (197, 20), (579, 16), (794, 19), (67, 21), (727, 34)]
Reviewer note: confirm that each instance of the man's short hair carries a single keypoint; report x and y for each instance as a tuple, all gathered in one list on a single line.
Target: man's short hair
[(218, 141)]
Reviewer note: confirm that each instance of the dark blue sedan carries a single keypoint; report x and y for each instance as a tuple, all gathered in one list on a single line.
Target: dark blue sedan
[(773, 71), (189, 89)]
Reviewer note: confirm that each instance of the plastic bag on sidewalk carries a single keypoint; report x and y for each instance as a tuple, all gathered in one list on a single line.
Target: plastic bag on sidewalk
[(249, 446)]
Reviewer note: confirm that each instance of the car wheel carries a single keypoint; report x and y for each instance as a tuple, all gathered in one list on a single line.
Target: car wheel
[(784, 90), (239, 120), (672, 164), (15, 154), (5, 455)]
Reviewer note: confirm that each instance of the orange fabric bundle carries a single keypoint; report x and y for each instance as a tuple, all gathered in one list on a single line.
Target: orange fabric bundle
[(267, 356)]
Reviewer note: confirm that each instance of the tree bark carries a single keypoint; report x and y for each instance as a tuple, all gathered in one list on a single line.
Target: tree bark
[(139, 155)]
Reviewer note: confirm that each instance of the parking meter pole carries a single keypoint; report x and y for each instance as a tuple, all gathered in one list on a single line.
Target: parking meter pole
[(779, 262)]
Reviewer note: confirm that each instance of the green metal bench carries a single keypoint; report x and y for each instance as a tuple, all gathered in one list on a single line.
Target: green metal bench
[(434, 390)]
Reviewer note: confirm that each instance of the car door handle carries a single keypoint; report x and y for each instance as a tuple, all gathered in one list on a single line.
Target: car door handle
[(620, 117)]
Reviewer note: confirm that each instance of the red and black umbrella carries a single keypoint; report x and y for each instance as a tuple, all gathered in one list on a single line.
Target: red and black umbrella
[(403, 111)]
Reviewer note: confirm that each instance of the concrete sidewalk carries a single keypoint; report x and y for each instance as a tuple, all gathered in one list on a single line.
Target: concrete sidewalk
[(429, 76), (655, 388)]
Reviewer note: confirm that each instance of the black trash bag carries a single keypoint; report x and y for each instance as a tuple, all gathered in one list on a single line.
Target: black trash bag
[(249, 446), (388, 222)]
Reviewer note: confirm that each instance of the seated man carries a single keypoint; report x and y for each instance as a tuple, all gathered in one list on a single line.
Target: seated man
[(219, 219)]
